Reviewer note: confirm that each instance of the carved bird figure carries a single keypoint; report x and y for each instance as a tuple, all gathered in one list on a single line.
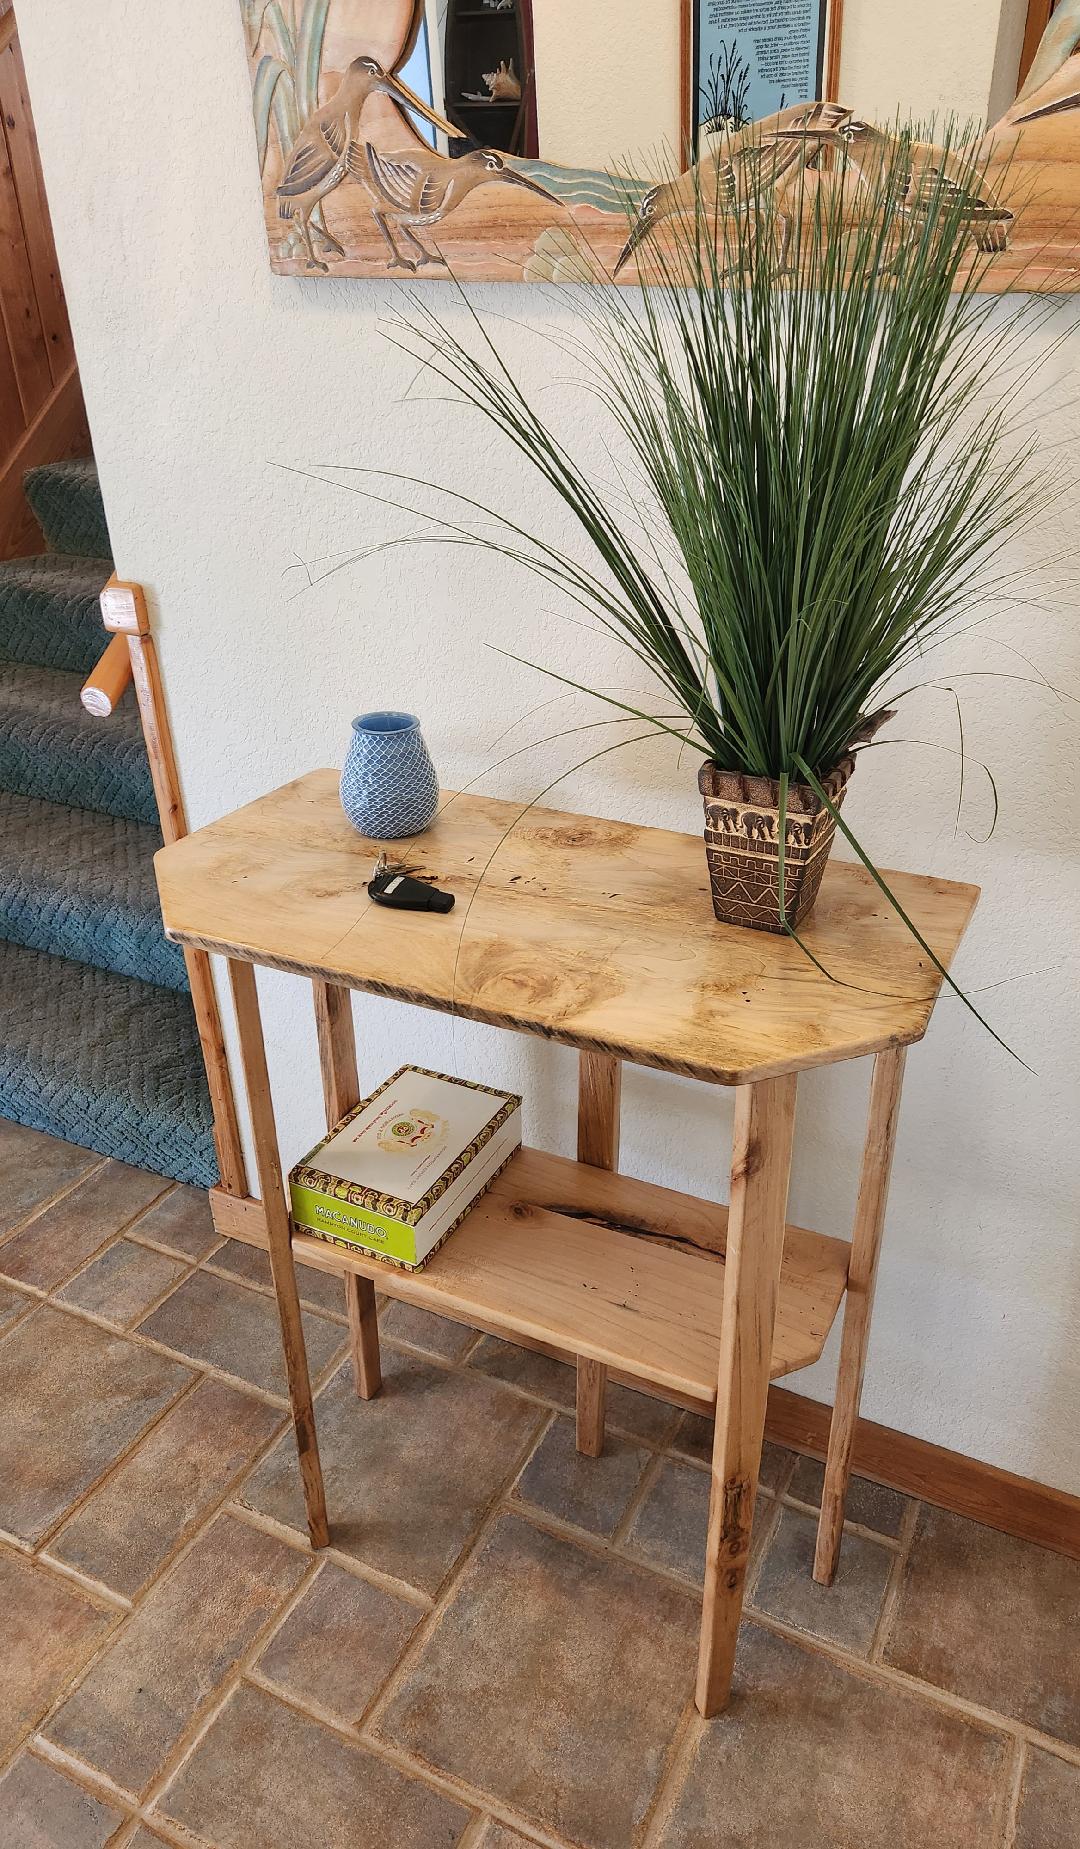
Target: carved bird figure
[(319, 157), (731, 180), (420, 187), (934, 174)]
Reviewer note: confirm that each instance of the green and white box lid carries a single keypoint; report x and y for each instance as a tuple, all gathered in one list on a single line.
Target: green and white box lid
[(400, 1149)]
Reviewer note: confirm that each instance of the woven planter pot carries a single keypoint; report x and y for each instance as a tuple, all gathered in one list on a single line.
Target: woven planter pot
[(742, 844)]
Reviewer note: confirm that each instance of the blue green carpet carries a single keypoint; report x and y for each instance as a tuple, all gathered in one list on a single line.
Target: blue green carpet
[(67, 504), (98, 1043)]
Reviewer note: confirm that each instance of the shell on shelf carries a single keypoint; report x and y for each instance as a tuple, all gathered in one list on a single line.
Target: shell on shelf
[(504, 84)]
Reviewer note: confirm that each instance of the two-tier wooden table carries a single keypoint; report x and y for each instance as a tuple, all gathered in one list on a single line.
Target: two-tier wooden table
[(600, 935)]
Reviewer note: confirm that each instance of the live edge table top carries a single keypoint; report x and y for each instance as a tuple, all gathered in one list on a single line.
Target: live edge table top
[(595, 933)]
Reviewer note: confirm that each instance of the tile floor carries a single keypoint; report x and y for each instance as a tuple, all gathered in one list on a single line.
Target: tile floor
[(498, 1649)]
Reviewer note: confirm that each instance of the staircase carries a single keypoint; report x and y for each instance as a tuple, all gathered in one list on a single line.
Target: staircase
[(98, 1043)]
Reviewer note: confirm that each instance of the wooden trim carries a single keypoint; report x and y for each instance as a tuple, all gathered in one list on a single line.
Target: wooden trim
[(1014, 1505), (686, 77), (106, 685), (834, 33), (124, 613), (33, 206), (1038, 18), (59, 430)]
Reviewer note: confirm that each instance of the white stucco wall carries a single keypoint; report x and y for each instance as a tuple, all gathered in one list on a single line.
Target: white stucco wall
[(202, 372), (607, 87)]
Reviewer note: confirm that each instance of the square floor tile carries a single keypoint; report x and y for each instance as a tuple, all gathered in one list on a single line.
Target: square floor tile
[(811, 1754), (408, 1474), (523, 1368), (127, 1528), (55, 1245), (182, 1222), (318, 1289), (265, 1777), (12, 1305), (175, 1650), (1049, 1815), (122, 1284), (238, 1331), (41, 1808), (436, 1335), (844, 1613), (641, 1415), (591, 1492), (870, 1504), (33, 1168), (670, 1528), (555, 1680), (338, 1644), (49, 1631), (993, 1619), (694, 1439), (633, 1414), (74, 1397)]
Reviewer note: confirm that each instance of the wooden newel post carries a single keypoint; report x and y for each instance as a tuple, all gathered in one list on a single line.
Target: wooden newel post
[(124, 614), (599, 1102)]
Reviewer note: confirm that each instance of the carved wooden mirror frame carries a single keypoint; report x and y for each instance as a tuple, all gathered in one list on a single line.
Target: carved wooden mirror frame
[(350, 188)]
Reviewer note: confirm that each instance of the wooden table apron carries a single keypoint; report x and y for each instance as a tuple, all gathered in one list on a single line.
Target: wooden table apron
[(601, 935)]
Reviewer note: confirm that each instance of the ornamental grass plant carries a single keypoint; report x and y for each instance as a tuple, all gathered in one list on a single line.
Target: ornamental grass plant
[(816, 410)]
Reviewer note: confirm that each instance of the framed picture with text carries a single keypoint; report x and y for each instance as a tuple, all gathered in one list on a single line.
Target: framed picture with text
[(745, 59)]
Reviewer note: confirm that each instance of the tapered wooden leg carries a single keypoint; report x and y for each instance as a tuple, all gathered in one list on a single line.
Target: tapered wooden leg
[(362, 1312), (279, 1232), (858, 1307), (341, 1090), (761, 1163), (591, 1394), (599, 1099)]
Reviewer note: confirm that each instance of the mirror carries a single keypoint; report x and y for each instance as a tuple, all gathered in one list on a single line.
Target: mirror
[(483, 72), (482, 135)]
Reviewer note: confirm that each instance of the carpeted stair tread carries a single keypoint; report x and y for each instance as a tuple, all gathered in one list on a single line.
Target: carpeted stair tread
[(51, 748), (106, 1062), (67, 503), (78, 884), (49, 611)]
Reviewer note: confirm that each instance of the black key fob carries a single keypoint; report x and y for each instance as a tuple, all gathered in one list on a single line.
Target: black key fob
[(404, 894)]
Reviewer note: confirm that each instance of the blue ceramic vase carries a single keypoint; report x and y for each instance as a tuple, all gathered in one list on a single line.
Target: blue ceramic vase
[(388, 785)]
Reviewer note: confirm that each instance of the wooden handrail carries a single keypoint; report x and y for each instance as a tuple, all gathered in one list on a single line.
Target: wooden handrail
[(124, 612), (107, 684)]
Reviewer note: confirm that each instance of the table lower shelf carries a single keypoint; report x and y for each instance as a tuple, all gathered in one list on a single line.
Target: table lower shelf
[(582, 1262)]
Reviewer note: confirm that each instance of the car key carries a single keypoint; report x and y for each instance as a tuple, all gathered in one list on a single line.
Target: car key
[(391, 885)]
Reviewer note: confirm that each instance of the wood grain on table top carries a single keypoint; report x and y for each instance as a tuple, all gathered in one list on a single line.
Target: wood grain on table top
[(596, 933)]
